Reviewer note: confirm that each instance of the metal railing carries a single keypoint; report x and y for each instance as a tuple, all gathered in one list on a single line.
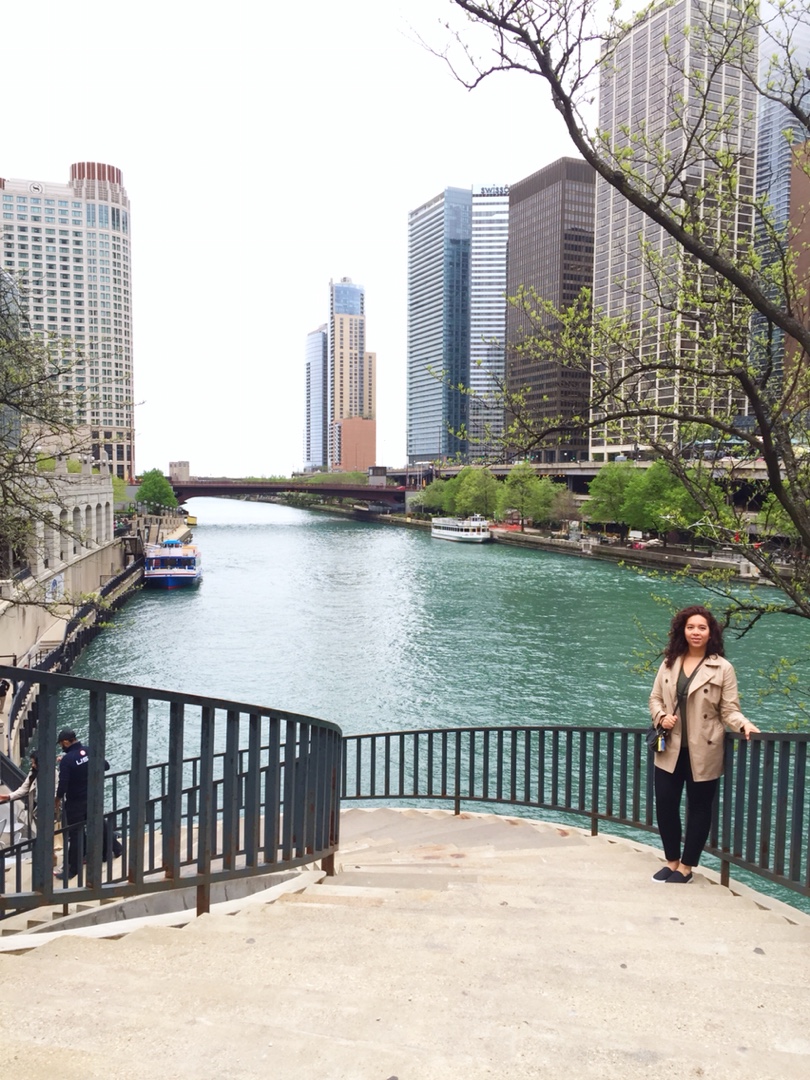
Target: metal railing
[(215, 790), (761, 816)]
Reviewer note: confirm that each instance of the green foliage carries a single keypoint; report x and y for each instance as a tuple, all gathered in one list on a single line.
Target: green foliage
[(528, 494), (607, 491), (431, 498), (353, 479), (155, 491), (119, 490), (477, 494)]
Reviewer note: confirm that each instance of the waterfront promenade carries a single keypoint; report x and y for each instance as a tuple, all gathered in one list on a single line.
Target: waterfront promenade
[(446, 947)]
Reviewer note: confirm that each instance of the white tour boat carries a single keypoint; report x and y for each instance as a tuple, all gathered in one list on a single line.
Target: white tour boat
[(172, 565), (471, 530)]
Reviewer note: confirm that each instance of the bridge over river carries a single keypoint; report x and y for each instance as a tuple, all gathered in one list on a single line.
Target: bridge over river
[(219, 487)]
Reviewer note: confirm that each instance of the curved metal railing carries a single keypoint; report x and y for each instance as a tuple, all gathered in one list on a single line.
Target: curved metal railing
[(215, 790), (761, 816)]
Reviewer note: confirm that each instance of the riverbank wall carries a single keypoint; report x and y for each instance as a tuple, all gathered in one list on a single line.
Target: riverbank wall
[(658, 559)]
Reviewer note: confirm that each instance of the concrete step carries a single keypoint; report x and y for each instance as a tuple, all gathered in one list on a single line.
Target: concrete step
[(532, 963)]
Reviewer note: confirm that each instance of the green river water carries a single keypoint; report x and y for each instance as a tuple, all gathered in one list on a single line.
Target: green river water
[(383, 628)]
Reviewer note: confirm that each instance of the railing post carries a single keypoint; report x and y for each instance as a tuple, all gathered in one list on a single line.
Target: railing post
[(203, 898), (457, 799)]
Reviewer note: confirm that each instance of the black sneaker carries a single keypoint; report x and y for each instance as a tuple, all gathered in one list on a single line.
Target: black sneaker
[(663, 874), (677, 878)]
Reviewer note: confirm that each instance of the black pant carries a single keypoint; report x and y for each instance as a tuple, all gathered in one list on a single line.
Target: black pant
[(75, 818), (699, 799)]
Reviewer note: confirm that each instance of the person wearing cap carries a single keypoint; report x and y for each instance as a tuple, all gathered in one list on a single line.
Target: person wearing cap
[(72, 788)]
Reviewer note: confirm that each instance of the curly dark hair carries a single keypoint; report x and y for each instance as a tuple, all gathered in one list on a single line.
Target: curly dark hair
[(677, 644)]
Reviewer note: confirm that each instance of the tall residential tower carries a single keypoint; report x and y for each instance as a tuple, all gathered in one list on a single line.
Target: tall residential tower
[(352, 391), (67, 247)]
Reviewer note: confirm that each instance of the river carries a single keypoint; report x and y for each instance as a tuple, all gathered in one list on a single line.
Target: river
[(382, 628)]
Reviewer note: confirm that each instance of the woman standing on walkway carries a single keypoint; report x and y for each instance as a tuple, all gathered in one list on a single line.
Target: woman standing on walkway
[(693, 700)]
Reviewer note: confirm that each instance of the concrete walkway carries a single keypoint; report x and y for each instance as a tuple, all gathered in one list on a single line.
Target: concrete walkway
[(469, 947)]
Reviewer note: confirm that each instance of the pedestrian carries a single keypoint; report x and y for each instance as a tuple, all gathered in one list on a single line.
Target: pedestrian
[(694, 699), (72, 788), (26, 791)]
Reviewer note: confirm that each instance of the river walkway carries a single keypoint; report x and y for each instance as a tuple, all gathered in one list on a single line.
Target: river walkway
[(465, 947)]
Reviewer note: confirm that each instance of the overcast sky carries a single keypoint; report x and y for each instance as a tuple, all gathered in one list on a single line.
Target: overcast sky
[(266, 148)]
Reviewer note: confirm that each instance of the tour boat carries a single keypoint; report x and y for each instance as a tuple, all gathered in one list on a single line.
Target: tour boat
[(471, 530), (172, 565)]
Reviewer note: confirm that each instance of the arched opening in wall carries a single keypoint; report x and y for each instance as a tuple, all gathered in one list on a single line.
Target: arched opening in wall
[(77, 530), (108, 522), (99, 534), (64, 536), (88, 526), (50, 544)]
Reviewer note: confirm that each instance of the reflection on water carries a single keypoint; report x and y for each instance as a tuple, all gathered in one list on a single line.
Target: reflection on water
[(381, 628)]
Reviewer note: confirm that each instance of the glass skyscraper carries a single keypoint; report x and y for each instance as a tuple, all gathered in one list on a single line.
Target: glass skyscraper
[(490, 230), (439, 245), (317, 391)]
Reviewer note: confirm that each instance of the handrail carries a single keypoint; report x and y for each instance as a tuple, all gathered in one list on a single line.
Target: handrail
[(244, 790), (605, 775)]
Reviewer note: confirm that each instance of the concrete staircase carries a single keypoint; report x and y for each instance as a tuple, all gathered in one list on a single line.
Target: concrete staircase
[(445, 947)]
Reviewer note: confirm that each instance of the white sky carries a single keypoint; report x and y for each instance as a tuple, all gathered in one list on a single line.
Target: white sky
[(265, 148)]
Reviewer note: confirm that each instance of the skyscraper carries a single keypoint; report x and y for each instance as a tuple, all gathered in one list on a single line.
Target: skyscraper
[(439, 241), (68, 248), (551, 221), (663, 87), (317, 391), (779, 136), (489, 233), (352, 390)]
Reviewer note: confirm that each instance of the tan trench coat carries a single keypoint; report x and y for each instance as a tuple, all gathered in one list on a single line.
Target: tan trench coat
[(712, 705)]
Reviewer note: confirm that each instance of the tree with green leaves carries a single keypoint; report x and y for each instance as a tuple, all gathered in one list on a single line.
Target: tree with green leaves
[(607, 492), (155, 491), (527, 493), (431, 498), (477, 493)]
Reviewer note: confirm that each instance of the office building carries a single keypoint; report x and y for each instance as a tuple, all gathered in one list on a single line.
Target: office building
[(648, 86), (551, 223), (439, 242), (67, 246), (316, 428), (351, 380), (489, 233), (779, 135)]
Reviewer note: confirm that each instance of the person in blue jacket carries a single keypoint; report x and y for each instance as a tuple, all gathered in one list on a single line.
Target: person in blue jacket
[(72, 789)]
